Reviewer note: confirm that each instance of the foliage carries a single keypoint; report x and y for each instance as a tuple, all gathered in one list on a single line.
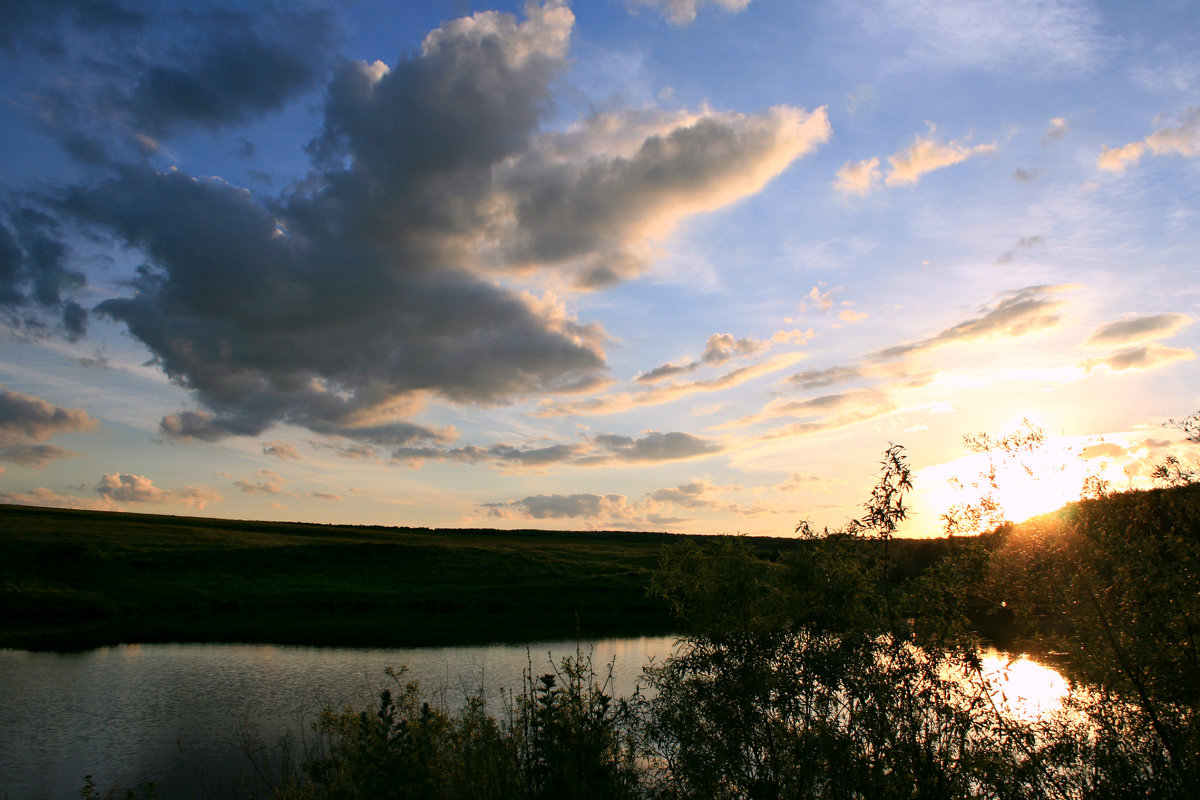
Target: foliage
[(564, 737), (1112, 585)]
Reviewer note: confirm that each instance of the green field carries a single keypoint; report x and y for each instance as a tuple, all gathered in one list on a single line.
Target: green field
[(82, 578)]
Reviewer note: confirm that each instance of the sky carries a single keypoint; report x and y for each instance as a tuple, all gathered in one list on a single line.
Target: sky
[(666, 265)]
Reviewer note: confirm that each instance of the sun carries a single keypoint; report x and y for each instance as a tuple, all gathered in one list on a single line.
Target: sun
[(1007, 485)]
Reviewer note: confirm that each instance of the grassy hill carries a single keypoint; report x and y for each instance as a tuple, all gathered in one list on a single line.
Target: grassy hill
[(79, 578)]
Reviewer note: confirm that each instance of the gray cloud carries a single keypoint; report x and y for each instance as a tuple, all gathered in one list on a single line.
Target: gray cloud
[(719, 348), (819, 378), (281, 450), (654, 446), (558, 506), (38, 27), (35, 279), (602, 449), (187, 67), (343, 305), (1136, 330), (25, 420), (1141, 358), (240, 66), (1019, 313), (33, 455)]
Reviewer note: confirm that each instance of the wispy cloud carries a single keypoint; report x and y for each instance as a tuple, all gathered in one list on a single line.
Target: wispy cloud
[(1027, 35), (1139, 359), (1138, 329), (683, 12), (906, 167), (1182, 140)]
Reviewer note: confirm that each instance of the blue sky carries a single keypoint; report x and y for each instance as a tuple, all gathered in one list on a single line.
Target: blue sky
[(656, 265)]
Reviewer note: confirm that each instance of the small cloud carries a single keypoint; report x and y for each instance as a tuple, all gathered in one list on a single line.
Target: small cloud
[(1139, 359), (281, 450), (1137, 330), (1116, 159), (1026, 175), (1058, 129), (325, 496), (822, 300), (268, 482), (1102, 450), (858, 177), (849, 315), (925, 155)]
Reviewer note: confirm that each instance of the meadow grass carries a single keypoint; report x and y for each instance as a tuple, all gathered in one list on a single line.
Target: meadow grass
[(81, 578)]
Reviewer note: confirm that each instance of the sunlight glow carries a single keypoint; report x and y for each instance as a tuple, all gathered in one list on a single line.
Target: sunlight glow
[(1029, 484), (1023, 689)]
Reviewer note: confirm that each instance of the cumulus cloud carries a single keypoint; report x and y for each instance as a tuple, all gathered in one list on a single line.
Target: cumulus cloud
[(122, 487), (332, 496), (1182, 140), (1139, 359), (346, 304), (1137, 330), (683, 12)]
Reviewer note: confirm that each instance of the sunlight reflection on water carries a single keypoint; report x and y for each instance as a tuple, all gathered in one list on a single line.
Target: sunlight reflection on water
[(1022, 688)]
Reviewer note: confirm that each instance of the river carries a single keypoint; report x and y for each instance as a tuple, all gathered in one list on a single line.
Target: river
[(171, 713)]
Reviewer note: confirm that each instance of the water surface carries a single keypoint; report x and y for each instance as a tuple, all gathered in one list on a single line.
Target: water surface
[(171, 712)]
